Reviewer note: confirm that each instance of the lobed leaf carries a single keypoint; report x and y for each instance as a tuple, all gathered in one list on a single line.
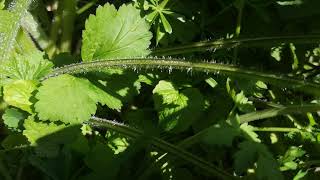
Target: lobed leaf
[(71, 100), (177, 110), (115, 34)]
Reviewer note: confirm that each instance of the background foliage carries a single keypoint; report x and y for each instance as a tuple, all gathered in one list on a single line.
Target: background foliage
[(159, 89)]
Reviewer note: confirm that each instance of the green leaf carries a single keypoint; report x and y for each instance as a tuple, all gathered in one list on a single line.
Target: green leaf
[(267, 167), (2, 4), (177, 110), (47, 137), (18, 94), (276, 52), (100, 159), (115, 34), (288, 160), (12, 118), (71, 99), (166, 24), (34, 131), (300, 175), (14, 140), (221, 135), (248, 132), (10, 25), (116, 142), (30, 66)]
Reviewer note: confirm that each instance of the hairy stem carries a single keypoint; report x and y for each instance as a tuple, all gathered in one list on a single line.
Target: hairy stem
[(162, 145), (230, 43), (154, 63)]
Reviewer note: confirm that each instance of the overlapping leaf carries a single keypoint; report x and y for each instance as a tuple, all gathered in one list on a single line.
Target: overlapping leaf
[(71, 100), (251, 152), (177, 110)]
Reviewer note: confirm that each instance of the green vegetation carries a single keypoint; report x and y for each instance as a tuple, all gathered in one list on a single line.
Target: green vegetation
[(159, 89)]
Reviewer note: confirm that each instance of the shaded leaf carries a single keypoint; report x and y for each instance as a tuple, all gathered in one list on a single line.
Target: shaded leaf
[(71, 99)]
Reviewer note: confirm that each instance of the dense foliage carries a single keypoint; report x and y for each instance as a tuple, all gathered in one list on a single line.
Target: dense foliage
[(159, 89)]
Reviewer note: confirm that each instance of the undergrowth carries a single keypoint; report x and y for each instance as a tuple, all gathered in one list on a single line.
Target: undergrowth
[(159, 89)]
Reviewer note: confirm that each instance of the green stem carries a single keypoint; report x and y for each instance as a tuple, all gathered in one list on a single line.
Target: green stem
[(54, 31), (3, 106), (68, 18), (275, 129), (291, 109), (256, 116), (162, 145), (86, 7), (276, 79), (238, 26), (229, 43)]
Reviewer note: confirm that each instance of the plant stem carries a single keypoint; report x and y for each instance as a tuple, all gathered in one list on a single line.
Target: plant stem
[(68, 17), (162, 145), (230, 43), (291, 109), (238, 26), (151, 63), (275, 129), (54, 31), (256, 116), (86, 7)]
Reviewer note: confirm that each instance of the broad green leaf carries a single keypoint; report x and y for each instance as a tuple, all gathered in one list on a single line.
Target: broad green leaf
[(101, 159), (268, 167), (115, 34), (30, 66), (250, 152), (34, 131), (221, 134), (248, 132), (18, 94), (12, 118), (70, 99), (177, 110), (47, 137), (10, 25)]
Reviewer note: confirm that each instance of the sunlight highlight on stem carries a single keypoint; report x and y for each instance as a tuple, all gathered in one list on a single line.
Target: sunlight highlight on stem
[(194, 65)]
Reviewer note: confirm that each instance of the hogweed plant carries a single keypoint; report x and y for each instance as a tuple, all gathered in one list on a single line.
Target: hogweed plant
[(122, 90)]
